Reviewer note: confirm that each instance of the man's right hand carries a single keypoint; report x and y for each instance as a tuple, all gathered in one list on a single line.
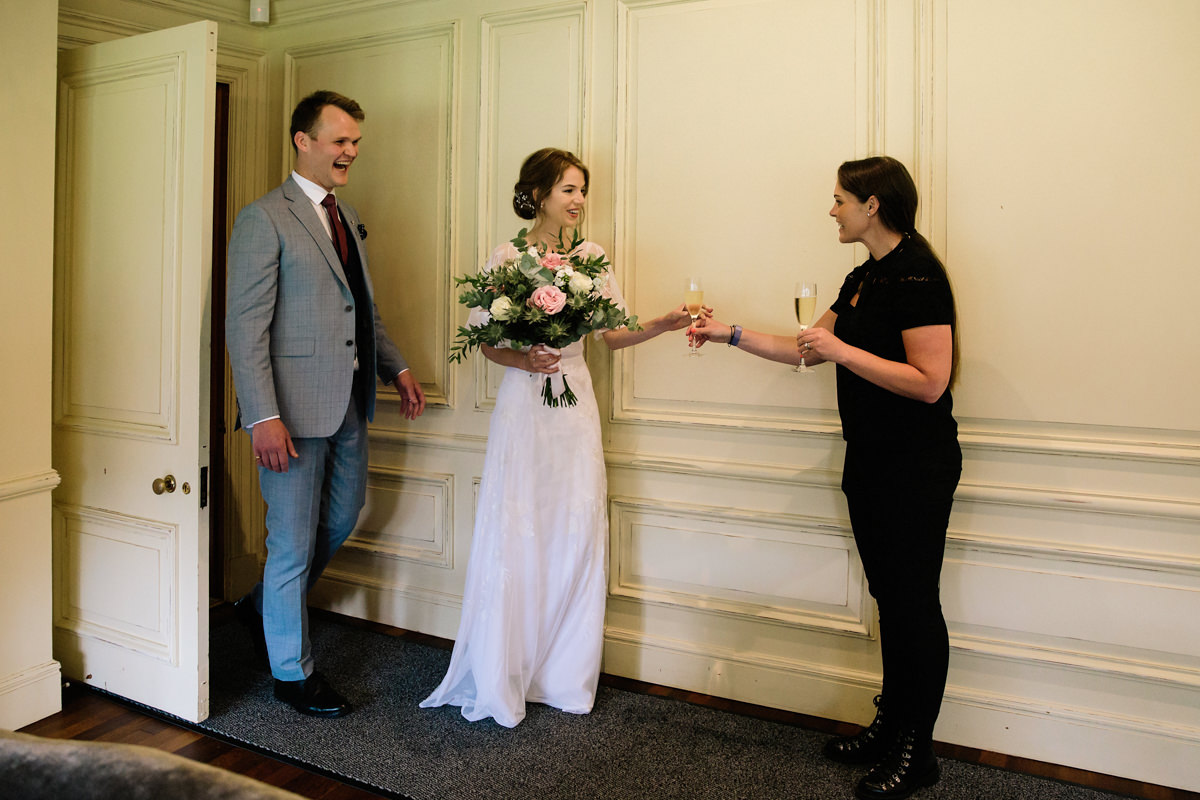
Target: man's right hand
[(272, 445)]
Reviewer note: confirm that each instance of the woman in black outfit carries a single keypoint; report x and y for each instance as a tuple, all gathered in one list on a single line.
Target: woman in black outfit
[(892, 334)]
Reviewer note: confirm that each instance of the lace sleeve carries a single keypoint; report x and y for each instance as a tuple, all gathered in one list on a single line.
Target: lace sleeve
[(611, 289), (506, 251)]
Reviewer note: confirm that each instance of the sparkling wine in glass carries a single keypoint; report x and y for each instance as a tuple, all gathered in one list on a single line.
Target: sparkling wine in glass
[(693, 298), (806, 306)]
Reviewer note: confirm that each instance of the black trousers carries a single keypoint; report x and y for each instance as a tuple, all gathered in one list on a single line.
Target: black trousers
[(899, 500)]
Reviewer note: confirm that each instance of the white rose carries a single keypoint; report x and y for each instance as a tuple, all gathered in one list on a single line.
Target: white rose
[(580, 283), (502, 308), (600, 282)]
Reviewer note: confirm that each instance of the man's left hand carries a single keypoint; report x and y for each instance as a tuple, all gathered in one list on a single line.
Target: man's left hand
[(412, 399)]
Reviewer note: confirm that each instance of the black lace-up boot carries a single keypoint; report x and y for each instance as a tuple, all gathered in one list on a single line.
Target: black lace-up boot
[(908, 766), (867, 746)]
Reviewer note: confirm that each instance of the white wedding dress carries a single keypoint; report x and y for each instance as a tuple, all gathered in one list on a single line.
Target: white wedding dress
[(532, 626)]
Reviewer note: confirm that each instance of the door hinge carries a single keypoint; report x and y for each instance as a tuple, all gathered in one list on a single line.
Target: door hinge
[(204, 487)]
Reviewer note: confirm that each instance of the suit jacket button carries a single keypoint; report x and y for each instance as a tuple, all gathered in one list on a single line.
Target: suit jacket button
[(349, 308), (349, 343)]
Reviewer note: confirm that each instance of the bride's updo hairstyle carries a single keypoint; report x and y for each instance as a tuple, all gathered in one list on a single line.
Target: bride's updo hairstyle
[(540, 172)]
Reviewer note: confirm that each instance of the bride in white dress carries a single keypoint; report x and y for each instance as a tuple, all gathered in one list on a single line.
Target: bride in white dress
[(532, 626)]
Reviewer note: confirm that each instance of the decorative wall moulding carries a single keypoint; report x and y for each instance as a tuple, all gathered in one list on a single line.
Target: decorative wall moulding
[(301, 12), (87, 28), (460, 442), (384, 534), (1078, 502), (1133, 444), (1014, 650), (13, 488), (758, 585), (216, 10), (1042, 551), (142, 555), (627, 638), (17, 681), (1077, 717), (790, 474), (563, 75), (336, 576)]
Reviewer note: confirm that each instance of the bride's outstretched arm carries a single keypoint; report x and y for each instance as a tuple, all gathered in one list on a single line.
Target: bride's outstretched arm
[(674, 320)]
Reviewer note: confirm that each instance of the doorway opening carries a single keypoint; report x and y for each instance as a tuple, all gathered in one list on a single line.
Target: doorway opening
[(216, 404)]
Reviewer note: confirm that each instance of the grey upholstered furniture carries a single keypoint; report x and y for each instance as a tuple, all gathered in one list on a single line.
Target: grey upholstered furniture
[(35, 768)]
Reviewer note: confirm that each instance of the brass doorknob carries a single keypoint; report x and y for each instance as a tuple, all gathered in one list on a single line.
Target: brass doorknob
[(166, 484)]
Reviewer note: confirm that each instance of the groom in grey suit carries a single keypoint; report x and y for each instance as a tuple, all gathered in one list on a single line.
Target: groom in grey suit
[(306, 343)]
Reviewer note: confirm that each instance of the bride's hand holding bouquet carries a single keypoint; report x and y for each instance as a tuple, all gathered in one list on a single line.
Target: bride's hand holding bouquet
[(543, 299)]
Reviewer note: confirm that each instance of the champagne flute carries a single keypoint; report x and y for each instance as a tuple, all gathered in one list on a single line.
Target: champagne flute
[(806, 306), (693, 298)]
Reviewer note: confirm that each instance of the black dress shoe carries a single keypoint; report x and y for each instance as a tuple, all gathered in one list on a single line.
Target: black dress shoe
[(869, 745), (312, 696), (909, 766), (252, 621)]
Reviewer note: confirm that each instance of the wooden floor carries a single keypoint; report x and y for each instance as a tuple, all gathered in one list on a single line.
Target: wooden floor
[(90, 716)]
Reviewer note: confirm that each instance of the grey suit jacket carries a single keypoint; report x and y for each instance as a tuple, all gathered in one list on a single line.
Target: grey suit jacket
[(289, 321)]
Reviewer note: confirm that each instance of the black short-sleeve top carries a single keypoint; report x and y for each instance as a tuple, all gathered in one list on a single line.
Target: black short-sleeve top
[(907, 288)]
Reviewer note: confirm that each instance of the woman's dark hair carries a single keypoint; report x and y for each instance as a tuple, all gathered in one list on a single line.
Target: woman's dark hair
[(540, 172), (308, 111), (886, 179)]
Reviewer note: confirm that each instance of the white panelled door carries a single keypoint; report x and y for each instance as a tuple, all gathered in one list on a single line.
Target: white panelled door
[(133, 234)]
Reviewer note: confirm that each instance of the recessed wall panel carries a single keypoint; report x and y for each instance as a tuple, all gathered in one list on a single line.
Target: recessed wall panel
[(532, 70), (788, 569), (734, 118), (117, 298), (114, 579), (406, 515), (1068, 130), (1073, 600), (401, 182)]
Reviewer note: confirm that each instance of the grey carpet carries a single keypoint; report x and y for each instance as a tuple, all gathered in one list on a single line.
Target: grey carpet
[(630, 746)]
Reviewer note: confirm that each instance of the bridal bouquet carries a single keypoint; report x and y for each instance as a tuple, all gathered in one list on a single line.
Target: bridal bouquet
[(547, 297)]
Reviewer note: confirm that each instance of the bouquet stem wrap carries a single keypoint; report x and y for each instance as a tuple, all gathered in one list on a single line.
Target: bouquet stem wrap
[(556, 391), (548, 295)]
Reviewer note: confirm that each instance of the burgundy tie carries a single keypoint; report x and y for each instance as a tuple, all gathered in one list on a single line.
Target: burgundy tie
[(335, 225)]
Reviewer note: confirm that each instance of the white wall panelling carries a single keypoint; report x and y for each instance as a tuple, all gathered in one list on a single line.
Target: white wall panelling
[(533, 69), (142, 556), (1048, 142), (407, 516), (30, 680), (143, 404), (404, 80), (718, 124), (792, 569), (1022, 175)]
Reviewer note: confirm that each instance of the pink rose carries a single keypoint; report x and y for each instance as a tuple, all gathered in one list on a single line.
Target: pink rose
[(550, 299), (553, 261)]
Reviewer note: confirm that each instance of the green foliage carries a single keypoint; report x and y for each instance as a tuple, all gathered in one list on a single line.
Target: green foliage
[(527, 325)]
